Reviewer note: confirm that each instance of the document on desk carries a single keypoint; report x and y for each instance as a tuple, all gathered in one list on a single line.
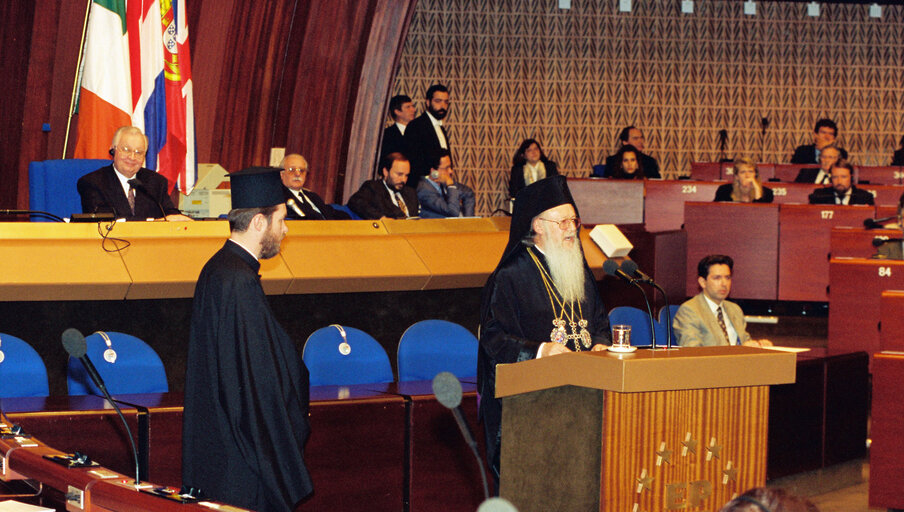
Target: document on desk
[(18, 506)]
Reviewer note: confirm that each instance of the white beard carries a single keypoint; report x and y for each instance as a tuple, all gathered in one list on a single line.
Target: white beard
[(566, 266)]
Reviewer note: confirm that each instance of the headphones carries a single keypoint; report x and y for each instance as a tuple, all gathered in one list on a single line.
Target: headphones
[(109, 353), (344, 348), (112, 152), (2, 357)]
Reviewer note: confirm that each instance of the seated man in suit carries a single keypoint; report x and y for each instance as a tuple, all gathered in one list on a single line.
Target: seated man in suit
[(631, 135), (842, 191), (402, 110), (125, 188), (824, 134), (439, 195), (301, 203), (828, 157), (387, 197), (708, 319)]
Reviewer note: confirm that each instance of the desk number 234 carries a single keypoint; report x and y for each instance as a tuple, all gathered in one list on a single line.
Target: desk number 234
[(884, 271)]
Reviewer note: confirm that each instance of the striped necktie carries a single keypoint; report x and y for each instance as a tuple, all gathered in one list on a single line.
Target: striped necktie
[(721, 320)]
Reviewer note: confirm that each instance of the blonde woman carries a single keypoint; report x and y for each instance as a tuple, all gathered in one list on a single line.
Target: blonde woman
[(746, 187)]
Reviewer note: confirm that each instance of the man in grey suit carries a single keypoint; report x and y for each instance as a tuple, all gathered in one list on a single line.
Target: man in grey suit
[(708, 319)]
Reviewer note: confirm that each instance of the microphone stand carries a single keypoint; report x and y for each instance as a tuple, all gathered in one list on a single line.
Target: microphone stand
[(32, 213)]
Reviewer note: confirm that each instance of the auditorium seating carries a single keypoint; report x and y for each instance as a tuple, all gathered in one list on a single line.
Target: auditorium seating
[(341, 356), (432, 346), (51, 185), (136, 367), (22, 371)]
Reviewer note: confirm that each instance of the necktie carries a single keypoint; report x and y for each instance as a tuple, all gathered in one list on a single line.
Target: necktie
[(721, 320), (132, 199), (402, 205), (445, 192)]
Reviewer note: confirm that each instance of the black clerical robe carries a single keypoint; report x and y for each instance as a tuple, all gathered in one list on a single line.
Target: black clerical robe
[(246, 393), (515, 318)]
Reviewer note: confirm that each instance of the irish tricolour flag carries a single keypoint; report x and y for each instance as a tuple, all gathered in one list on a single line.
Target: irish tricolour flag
[(136, 70)]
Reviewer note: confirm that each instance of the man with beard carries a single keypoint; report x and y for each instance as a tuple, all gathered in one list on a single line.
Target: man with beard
[(708, 319), (245, 421), (426, 135), (842, 191), (387, 197), (541, 300)]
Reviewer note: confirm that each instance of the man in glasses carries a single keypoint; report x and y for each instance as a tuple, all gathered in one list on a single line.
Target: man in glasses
[(541, 300), (302, 203), (125, 188)]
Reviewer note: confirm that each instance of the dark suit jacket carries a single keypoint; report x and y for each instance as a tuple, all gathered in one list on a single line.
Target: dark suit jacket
[(806, 154), (372, 201), (723, 193), (423, 145), (826, 195), (101, 193), (459, 200), (807, 175), (516, 176), (327, 212), (394, 142), (898, 158), (649, 165)]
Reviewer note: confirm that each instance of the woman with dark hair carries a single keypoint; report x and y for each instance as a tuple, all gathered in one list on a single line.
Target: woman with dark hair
[(746, 186), (627, 164), (529, 165)]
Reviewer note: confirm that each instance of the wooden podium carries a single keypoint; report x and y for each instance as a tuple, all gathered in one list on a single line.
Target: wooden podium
[(678, 429)]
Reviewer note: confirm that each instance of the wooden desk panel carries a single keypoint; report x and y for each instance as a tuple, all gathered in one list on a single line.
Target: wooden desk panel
[(441, 254), (804, 235), (707, 171), (891, 314), (855, 291), (880, 175), (787, 172), (855, 242), (746, 232), (664, 204), (791, 193), (607, 201), (886, 195), (886, 455)]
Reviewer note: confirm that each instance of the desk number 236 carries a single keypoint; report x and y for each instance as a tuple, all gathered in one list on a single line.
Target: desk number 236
[(884, 271)]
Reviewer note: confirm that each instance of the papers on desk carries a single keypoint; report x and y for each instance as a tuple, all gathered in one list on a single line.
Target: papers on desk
[(18, 506), (795, 350)]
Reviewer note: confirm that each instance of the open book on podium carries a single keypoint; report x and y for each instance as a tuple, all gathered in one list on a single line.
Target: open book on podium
[(649, 430)]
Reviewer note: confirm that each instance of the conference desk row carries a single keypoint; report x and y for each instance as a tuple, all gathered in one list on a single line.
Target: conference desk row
[(375, 447), (872, 174)]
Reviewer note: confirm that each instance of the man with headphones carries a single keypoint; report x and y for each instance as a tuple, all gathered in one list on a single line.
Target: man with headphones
[(125, 188)]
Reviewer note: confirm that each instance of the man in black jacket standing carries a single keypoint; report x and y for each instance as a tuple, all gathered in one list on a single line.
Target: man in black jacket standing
[(426, 135)]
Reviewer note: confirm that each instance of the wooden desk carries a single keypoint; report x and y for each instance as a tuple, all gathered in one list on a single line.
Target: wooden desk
[(791, 193), (891, 313), (855, 291), (749, 233), (886, 455), (804, 236), (856, 242), (607, 201), (664, 204)]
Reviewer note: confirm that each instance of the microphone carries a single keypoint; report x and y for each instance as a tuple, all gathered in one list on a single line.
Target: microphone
[(32, 212), (76, 346), (764, 123), (876, 223), (139, 186), (879, 241), (631, 269), (611, 268), (447, 389), (291, 203)]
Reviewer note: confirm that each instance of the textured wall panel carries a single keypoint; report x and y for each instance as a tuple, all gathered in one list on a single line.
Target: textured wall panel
[(573, 78)]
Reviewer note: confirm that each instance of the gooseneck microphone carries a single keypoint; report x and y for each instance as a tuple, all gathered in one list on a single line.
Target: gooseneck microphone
[(76, 346), (630, 268), (611, 268), (447, 389), (876, 223), (139, 186)]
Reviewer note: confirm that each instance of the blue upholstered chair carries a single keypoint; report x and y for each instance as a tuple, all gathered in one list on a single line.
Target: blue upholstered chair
[(51, 185), (639, 321), (347, 210), (432, 346), (136, 369), (22, 371), (342, 356), (665, 318)]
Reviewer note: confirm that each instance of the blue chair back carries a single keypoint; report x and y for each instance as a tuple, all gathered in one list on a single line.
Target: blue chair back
[(639, 321), (22, 371), (347, 210), (365, 362), (137, 368), (666, 316), (51, 185), (432, 346)]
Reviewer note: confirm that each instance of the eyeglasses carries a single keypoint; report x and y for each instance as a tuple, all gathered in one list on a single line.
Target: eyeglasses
[(565, 224), (296, 169), (137, 153)]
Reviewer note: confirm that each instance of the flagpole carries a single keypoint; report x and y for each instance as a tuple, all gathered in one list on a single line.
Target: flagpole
[(78, 74)]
